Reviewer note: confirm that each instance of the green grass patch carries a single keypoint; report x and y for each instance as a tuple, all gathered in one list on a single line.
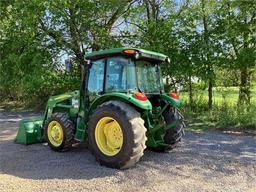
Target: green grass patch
[(225, 114), (20, 105), (230, 118), (220, 95), (12, 105)]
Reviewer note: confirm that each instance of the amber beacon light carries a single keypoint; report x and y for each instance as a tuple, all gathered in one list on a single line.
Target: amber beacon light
[(140, 96), (174, 95)]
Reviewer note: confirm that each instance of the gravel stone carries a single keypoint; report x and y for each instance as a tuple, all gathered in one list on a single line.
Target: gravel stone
[(212, 161)]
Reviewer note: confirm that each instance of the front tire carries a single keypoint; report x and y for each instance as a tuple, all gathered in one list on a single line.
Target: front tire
[(59, 132), (116, 135)]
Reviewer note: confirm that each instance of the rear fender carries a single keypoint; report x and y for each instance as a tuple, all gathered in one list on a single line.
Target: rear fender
[(171, 101), (127, 98)]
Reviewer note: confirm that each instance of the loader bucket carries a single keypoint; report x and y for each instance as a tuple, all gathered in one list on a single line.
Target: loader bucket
[(30, 131)]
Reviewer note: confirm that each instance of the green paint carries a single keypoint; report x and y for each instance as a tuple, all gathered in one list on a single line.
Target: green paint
[(30, 131), (127, 98)]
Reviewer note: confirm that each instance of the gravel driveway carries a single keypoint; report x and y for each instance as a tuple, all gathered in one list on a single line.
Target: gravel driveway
[(212, 161)]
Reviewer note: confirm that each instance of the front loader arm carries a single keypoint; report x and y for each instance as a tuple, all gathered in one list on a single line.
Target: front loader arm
[(68, 102)]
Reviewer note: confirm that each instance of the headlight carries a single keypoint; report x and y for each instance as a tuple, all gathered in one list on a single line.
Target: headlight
[(75, 103)]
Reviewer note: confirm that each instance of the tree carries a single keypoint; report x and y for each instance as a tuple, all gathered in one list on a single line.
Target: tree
[(34, 34), (22, 57), (236, 27)]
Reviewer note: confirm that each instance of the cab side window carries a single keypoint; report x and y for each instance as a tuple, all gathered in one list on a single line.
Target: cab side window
[(120, 74), (96, 77)]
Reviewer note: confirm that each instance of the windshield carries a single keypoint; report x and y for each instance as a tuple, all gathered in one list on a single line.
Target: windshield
[(123, 74), (120, 74), (148, 75)]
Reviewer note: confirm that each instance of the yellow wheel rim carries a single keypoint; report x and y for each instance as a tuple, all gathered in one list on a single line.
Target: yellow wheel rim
[(108, 136), (55, 133)]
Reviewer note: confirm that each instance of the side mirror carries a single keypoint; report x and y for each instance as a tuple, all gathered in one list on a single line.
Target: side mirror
[(68, 65)]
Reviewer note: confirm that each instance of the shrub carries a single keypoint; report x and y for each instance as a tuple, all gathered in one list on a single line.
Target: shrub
[(240, 117), (223, 115)]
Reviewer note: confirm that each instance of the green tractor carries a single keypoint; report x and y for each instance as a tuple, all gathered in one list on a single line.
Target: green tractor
[(120, 109)]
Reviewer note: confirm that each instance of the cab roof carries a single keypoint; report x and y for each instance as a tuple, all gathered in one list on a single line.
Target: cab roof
[(117, 51)]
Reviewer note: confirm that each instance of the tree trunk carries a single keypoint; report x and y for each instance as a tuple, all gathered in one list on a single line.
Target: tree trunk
[(208, 60), (190, 93), (210, 93), (244, 88)]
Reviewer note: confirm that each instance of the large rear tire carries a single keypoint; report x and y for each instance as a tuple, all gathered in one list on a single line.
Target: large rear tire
[(116, 135), (173, 135)]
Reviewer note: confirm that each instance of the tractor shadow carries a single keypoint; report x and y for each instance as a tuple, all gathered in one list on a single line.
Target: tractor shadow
[(210, 154), (37, 161)]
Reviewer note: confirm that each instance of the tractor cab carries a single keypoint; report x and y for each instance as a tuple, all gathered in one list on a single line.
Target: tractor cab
[(125, 70)]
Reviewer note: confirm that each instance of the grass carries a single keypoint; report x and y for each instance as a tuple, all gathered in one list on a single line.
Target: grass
[(231, 119), (21, 106), (12, 105), (225, 115), (220, 95)]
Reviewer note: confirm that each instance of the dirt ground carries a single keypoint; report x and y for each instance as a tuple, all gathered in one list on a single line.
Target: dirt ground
[(212, 161)]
